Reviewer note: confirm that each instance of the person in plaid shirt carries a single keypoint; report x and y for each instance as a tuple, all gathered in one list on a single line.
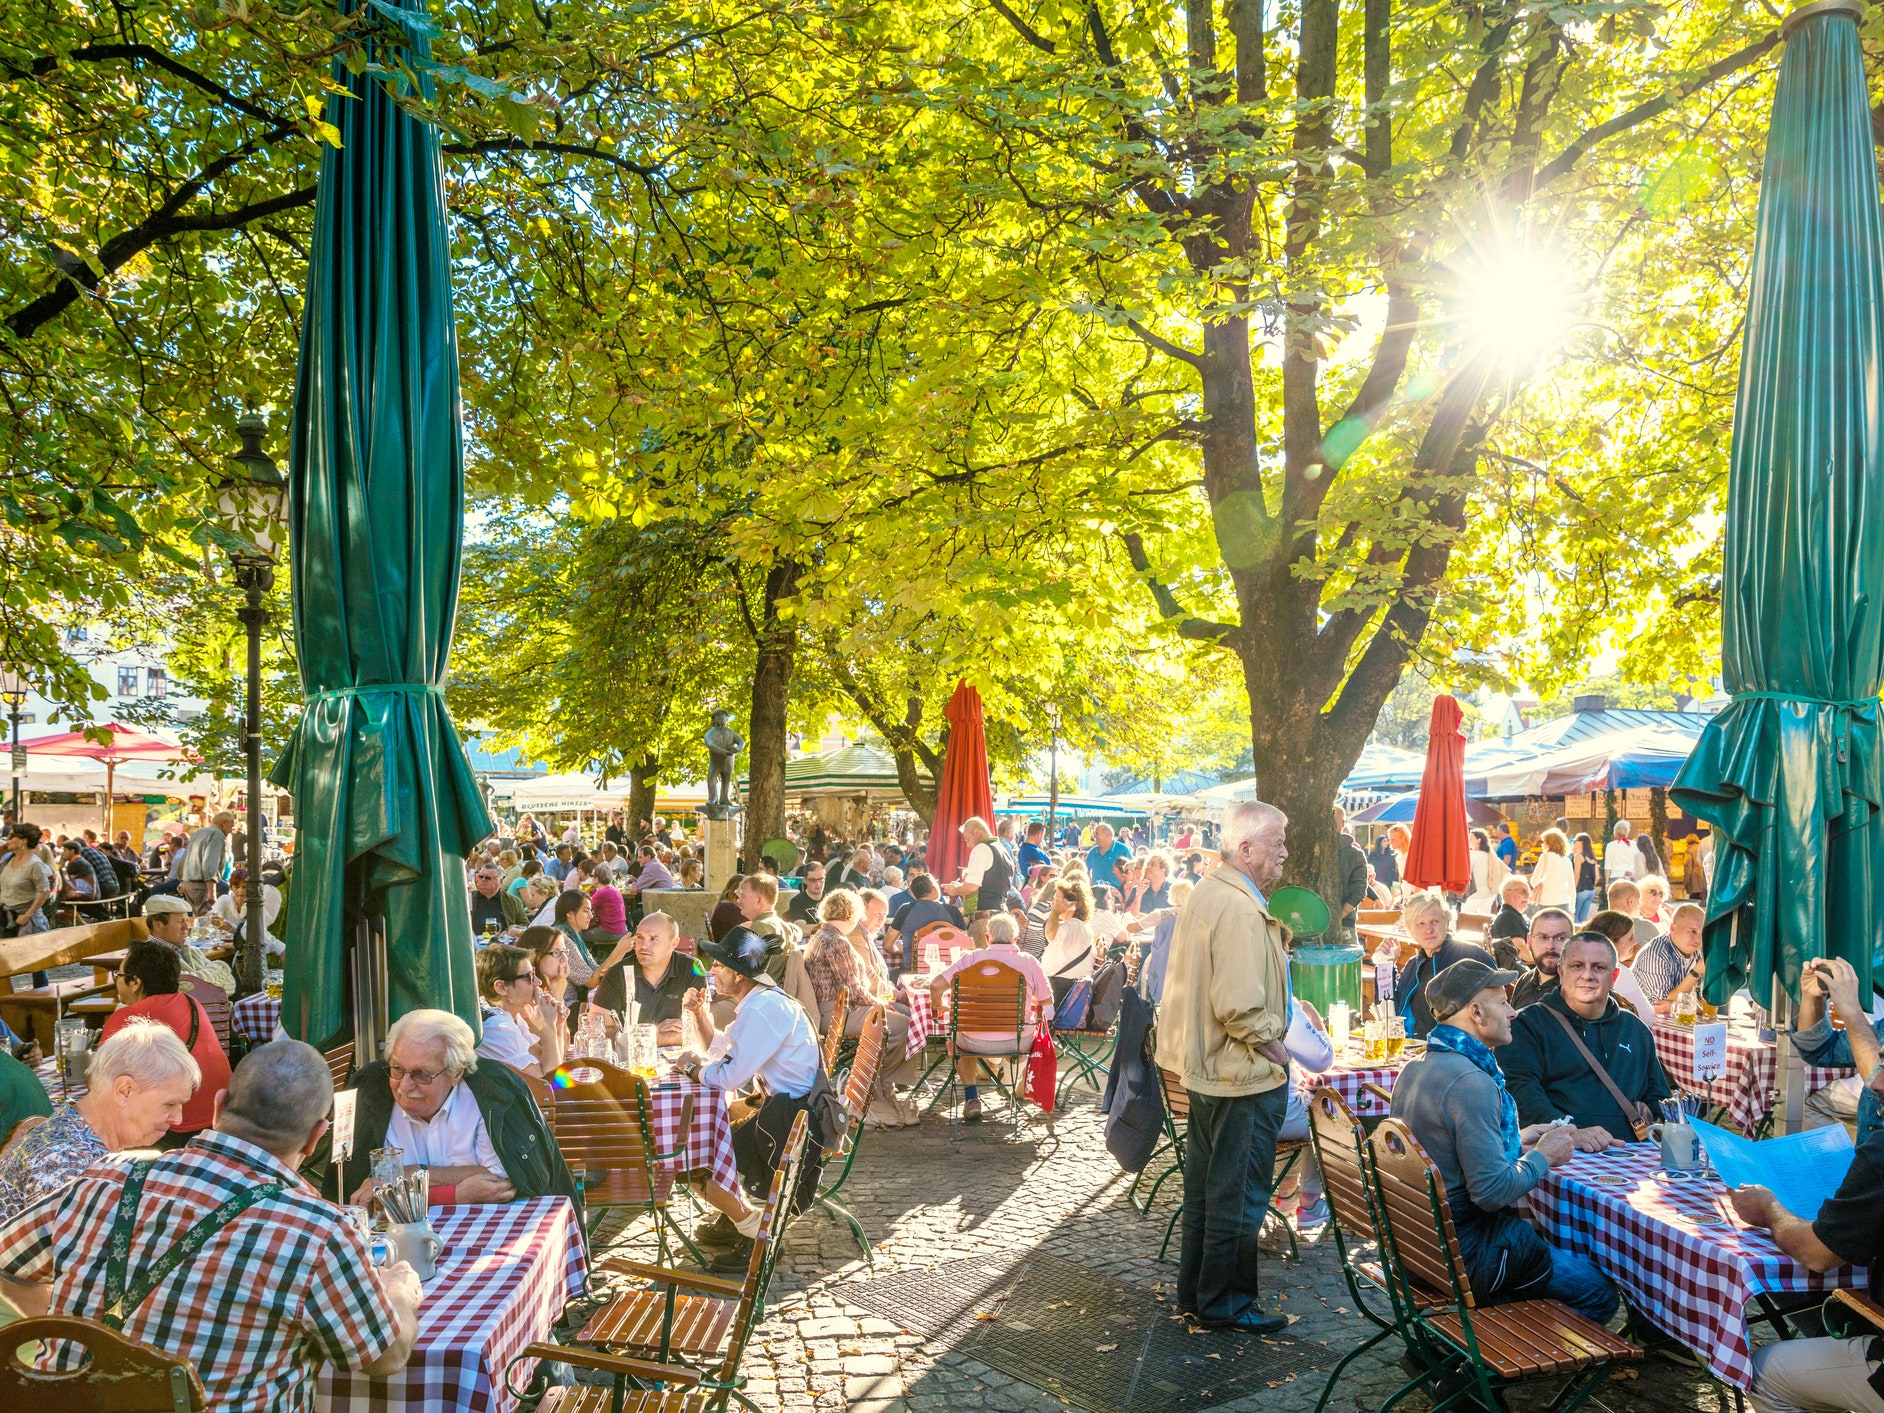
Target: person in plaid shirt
[(285, 1286)]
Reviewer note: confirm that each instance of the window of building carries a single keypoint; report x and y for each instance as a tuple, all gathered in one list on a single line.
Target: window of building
[(127, 681), (76, 633), (156, 682)]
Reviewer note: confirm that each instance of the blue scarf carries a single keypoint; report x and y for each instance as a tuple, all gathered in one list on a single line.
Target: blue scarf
[(1450, 1037)]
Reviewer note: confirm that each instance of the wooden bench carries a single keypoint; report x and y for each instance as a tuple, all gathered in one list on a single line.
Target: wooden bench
[(34, 1012)]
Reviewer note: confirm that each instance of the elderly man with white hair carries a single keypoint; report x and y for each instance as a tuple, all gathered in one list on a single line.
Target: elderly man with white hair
[(475, 1128), (1221, 1028), (202, 862), (138, 1083), (274, 1282), (987, 877)]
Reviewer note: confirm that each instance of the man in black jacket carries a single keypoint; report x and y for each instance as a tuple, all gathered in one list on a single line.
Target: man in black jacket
[(476, 1128), (1353, 873), (1509, 922), (1550, 1076)]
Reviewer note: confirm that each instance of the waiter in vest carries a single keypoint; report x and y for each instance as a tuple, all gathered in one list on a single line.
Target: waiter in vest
[(987, 878)]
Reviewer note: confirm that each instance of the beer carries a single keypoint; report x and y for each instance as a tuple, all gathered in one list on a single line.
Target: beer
[(1396, 1037), (1374, 1042)]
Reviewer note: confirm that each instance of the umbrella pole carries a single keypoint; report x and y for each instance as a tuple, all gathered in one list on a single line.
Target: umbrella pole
[(369, 989), (111, 775)]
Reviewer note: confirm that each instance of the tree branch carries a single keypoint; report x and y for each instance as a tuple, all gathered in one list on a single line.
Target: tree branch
[(144, 53), (1655, 107), (1198, 629), (1165, 346), (1023, 29)]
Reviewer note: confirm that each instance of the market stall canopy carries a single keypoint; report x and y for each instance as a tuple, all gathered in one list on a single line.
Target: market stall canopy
[(1070, 807), (1230, 792), (1384, 768), (572, 790), (1791, 773), (120, 744), (864, 770), (1402, 808), (1635, 758)]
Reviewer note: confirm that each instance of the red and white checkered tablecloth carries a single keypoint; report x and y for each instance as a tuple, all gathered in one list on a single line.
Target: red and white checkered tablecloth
[(48, 1072), (1746, 1089), (503, 1279), (1347, 1081), (257, 1016), (923, 1022), (709, 1139), (1665, 1244)]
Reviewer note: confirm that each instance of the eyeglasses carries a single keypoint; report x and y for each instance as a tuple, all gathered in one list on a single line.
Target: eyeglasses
[(528, 976), (423, 1078)]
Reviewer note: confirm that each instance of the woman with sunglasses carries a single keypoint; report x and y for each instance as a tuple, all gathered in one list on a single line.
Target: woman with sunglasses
[(514, 1029)]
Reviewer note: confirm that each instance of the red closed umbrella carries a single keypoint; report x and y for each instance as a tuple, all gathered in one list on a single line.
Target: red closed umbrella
[(1440, 854), (964, 790)]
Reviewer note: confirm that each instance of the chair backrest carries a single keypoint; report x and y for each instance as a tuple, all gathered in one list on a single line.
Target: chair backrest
[(834, 1032), (989, 997), (340, 1064), (767, 1242), (1341, 1149), (1177, 1099), (863, 1072), (1412, 1202), (214, 1000), (1377, 917), (119, 1375), (604, 1126), (1474, 922), (940, 927)]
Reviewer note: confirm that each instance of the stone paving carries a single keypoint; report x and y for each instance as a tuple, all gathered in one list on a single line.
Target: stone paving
[(927, 1197)]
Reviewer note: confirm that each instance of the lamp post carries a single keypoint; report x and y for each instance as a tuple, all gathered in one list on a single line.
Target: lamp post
[(13, 687), (249, 501)]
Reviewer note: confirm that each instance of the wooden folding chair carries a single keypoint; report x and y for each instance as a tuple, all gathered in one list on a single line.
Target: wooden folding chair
[(340, 1064), (1341, 1147), (681, 1332), (1485, 1348), (605, 1129), (987, 998), (1177, 1113), (858, 1085), (834, 1032), (119, 1375), (214, 1001)]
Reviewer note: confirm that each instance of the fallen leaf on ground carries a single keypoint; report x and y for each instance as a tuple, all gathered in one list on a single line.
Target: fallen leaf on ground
[(1103, 1348)]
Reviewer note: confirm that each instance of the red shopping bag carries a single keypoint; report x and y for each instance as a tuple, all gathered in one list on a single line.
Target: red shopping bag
[(1043, 1074)]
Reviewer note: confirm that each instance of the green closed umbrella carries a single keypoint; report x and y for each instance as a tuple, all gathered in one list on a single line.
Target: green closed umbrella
[(385, 802), (1789, 773)]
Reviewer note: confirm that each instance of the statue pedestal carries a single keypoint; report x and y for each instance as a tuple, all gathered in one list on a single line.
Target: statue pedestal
[(722, 852)]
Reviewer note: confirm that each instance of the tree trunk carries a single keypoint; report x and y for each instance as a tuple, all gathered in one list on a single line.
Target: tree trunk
[(641, 791), (917, 790), (1302, 785), (771, 695)]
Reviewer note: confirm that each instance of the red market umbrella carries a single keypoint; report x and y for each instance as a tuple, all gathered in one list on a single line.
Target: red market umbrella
[(964, 789), (1439, 856), (122, 743)]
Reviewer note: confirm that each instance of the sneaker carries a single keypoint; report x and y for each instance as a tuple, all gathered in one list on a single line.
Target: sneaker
[(1314, 1215), (883, 1113), (971, 1112), (720, 1232)]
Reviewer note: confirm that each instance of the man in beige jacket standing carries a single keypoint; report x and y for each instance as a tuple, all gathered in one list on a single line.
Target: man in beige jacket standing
[(1220, 1028)]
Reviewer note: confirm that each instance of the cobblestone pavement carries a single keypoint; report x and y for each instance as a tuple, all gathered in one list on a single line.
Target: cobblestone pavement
[(927, 1198)]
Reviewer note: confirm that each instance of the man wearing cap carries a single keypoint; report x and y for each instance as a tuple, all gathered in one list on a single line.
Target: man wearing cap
[(770, 1039), (1455, 1101), (167, 919)]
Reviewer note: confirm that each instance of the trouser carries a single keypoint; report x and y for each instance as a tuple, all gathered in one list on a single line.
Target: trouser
[(1229, 1172), (759, 1139), (1835, 1103), (199, 893), (894, 1067), (1307, 1172), (1586, 904), (1815, 1374), (1507, 1259)]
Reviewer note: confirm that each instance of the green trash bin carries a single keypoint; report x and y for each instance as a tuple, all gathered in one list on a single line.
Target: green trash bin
[(1323, 975)]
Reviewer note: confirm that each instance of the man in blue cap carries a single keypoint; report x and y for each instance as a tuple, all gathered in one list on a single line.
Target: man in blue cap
[(772, 1040)]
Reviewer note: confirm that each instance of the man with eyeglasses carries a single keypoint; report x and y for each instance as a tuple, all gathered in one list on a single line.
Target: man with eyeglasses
[(491, 906), (803, 908), (475, 1128)]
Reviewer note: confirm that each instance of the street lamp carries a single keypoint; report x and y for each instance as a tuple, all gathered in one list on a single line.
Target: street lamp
[(13, 689), (249, 503)]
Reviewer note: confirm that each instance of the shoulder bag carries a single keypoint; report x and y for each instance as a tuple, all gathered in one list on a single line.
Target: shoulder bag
[(1637, 1114)]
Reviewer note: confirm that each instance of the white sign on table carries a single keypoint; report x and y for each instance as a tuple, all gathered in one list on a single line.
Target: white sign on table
[(344, 1103), (1710, 1048)]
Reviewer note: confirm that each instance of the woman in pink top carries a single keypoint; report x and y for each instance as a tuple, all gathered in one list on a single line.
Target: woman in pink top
[(1002, 946), (607, 913)]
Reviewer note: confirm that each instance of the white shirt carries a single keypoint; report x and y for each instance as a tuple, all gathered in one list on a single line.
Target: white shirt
[(1062, 960), (453, 1138), (507, 1039), (1553, 882), (980, 860), (1106, 926), (1620, 860), (224, 908), (771, 1037), (1627, 988)]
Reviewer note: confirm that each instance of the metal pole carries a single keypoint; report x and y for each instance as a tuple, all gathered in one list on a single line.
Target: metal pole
[(255, 578), (1053, 780), (13, 713)]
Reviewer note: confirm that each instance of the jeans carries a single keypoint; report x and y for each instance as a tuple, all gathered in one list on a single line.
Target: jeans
[(1229, 1172), (1586, 904), (1507, 1259)]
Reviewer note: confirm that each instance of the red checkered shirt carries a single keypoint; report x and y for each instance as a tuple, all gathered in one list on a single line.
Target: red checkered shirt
[(288, 1285)]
